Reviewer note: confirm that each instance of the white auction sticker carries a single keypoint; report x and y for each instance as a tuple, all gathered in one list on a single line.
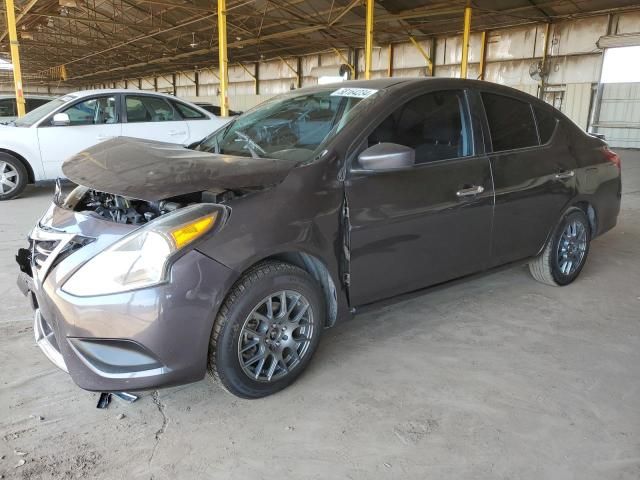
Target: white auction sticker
[(354, 92)]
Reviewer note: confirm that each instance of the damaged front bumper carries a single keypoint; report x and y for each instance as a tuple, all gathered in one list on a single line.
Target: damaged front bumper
[(137, 340)]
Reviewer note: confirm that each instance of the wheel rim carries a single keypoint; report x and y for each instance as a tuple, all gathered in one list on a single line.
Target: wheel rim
[(8, 178), (276, 336), (572, 247)]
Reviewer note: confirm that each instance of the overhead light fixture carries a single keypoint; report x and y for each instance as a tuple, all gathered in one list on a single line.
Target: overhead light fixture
[(193, 43), (64, 11), (50, 23)]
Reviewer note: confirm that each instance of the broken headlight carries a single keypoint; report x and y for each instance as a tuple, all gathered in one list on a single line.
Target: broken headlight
[(141, 258)]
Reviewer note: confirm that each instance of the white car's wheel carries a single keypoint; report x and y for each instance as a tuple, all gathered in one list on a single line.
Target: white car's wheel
[(13, 176)]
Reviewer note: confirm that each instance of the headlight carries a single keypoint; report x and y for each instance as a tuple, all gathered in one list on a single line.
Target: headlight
[(141, 258)]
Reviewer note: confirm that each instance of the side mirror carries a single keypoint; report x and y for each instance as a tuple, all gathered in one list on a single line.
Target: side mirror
[(387, 156), (61, 119)]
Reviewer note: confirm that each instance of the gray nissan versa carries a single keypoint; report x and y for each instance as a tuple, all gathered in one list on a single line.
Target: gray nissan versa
[(233, 255)]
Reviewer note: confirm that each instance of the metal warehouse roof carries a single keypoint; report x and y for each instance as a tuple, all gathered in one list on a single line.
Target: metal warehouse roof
[(101, 40)]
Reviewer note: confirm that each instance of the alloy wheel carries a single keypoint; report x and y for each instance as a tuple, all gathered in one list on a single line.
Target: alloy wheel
[(8, 178), (276, 336), (572, 247)]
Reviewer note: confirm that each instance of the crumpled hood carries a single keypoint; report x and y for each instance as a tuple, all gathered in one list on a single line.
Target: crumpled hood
[(153, 171)]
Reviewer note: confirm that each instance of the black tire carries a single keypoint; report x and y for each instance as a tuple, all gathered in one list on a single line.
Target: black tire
[(546, 267), (19, 169), (257, 284)]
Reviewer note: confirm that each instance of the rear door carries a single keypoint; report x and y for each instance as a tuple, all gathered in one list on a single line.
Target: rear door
[(92, 120), (153, 118), (419, 226), (534, 174)]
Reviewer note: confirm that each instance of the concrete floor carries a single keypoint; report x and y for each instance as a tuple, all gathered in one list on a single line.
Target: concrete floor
[(499, 377)]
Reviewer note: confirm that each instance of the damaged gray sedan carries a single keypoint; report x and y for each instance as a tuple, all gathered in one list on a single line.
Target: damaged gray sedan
[(233, 255)]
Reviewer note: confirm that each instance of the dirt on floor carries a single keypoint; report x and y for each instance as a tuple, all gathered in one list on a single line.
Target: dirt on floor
[(498, 377)]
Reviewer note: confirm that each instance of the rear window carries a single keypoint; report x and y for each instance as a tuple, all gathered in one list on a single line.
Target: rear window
[(546, 124), (146, 108), (511, 122), (188, 112)]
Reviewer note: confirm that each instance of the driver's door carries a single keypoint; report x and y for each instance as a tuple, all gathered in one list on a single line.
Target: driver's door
[(91, 121), (427, 223)]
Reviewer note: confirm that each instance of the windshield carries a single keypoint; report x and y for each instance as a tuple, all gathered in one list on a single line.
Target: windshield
[(42, 111), (291, 126)]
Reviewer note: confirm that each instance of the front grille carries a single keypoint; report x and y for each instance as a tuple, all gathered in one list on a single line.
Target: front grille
[(43, 249)]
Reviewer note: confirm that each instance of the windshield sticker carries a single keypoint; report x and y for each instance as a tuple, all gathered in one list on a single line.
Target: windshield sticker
[(354, 92)]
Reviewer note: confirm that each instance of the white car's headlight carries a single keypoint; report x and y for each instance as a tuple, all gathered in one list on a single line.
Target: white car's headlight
[(141, 258)]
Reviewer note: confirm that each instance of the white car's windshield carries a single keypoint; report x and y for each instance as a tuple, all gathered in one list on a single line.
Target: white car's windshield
[(291, 126), (42, 111)]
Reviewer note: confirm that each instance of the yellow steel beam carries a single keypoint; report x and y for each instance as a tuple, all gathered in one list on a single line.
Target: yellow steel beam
[(292, 69), (465, 42), (368, 44), (423, 53), (483, 54), (15, 56), (222, 57), (547, 30), (345, 61), (390, 64), (252, 75)]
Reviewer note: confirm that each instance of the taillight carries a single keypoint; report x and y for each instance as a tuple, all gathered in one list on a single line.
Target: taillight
[(611, 156)]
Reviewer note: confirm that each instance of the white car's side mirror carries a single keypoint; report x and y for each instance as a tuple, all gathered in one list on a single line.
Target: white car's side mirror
[(61, 119)]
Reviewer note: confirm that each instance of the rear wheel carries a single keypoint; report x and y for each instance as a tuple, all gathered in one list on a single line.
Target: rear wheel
[(566, 251), (267, 330), (13, 176)]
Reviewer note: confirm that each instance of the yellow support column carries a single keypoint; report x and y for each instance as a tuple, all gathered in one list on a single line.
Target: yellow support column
[(15, 56), (465, 42), (483, 55), (368, 41), (222, 57)]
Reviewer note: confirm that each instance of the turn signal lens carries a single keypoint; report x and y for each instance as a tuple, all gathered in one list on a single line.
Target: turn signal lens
[(189, 232)]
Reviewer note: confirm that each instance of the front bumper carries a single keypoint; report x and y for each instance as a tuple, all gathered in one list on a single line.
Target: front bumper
[(138, 340)]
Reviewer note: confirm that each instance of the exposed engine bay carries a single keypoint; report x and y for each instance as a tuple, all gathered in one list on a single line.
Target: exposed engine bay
[(120, 209)]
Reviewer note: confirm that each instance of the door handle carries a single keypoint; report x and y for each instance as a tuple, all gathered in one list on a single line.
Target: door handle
[(467, 192), (565, 175), (177, 132)]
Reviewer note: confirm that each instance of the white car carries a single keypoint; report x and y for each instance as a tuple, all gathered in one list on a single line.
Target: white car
[(32, 148)]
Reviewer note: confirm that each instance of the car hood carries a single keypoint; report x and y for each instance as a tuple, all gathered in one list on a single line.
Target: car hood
[(153, 171)]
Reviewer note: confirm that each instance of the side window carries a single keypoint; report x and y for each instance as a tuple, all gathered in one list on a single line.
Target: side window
[(511, 122), (33, 103), (148, 109), (8, 107), (94, 111), (187, 112), (546, 123), (434, 125)]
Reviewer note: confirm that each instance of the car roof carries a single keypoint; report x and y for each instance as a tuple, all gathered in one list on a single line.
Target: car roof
[(87, 93), (29, 95)]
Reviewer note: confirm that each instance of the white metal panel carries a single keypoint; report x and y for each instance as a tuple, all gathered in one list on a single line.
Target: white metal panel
[(620, 114), (628, 23), (578, 36), (576, 103)]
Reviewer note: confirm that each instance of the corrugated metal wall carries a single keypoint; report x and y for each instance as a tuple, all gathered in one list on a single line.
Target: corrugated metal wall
[(620, 114)]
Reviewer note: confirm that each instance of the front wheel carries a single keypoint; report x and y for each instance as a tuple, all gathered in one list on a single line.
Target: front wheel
[(13, 176), (566, 251), (267, 330)]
